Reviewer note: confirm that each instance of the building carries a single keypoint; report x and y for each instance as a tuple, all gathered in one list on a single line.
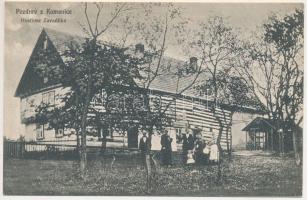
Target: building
[(189, 111), (264, 134)]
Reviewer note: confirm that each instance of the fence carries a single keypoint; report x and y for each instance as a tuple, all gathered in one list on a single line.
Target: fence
[(21, 149), (13, 149), (56, 149), (60, 150)]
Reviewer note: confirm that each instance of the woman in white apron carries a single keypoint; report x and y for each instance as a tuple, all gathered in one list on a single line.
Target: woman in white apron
[(214, 153)]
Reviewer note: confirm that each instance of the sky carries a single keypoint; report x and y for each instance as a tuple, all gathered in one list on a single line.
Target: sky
[(20, 37)]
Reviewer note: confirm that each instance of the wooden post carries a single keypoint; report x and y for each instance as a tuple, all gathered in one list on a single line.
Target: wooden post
[(266, 140), (230, 139), (254, 139), (282, 143), (246, 132), (279, 141), (272, 142)]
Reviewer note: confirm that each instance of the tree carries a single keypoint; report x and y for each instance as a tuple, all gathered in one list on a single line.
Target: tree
[(273, 67), (157, 32), (88, 68), (94, 66), (217, 48)]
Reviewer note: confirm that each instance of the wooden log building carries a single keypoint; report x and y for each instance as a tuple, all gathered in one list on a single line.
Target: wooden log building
[(190, 112)]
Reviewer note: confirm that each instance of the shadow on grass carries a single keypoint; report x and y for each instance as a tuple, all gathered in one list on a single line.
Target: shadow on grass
[(242, 176)]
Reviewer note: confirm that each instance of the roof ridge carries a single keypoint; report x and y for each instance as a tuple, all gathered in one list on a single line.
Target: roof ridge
[(48, 30), (54, 31)]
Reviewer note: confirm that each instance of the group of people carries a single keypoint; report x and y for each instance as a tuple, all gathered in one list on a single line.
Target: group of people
[(198, 151), (166, 147), (195, 150)]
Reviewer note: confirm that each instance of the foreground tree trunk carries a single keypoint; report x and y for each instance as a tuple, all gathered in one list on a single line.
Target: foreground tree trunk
[(104, 140), (78, 142), (218, 142), (148, 166), (83, 158), (148, 173), (298, 160), (228, 130)]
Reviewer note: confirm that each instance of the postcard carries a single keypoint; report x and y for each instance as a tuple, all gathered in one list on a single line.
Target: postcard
[(153, 99)]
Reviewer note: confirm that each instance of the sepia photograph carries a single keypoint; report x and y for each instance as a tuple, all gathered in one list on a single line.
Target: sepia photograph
[(194, 99)]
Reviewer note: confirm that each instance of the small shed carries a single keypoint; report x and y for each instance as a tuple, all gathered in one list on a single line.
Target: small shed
[(262, 134)]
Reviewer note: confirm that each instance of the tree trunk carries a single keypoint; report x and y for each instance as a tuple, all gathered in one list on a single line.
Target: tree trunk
[(148, 166), (104, 140), (296, 146), (148, 173), (78, 142), (218, 142), (83, 156), (228, 130), (227, 142), (83, 159)]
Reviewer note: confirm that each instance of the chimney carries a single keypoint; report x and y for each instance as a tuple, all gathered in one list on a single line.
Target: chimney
[(193, 63)]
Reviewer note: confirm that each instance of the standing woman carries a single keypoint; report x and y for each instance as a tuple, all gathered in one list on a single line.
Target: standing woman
[(198, 151), (206, 152), (185, 147), (190, 142), (190, 156), (214, 156), (166, 150)]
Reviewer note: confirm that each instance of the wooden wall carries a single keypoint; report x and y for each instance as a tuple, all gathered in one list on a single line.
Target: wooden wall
[(192, 113)]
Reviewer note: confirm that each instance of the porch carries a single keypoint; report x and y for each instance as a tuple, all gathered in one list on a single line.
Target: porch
[(262, 134)]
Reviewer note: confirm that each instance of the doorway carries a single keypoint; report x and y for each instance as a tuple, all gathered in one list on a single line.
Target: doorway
[(133, 137)]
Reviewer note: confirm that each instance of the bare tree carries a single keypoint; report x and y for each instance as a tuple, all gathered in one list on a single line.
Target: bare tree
[(156, 27), (218, 46), (273, 66), (94, 29)]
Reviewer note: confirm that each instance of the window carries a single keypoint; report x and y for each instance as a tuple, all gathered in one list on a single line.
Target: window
[(59, 132), (45, 44), (45, 79), (48, 98), (39, 132), (178, 135), (258, 138)]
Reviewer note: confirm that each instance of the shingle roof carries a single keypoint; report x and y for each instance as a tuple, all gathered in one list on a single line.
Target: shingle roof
[(261, 124), (165, 81), (62, 40)]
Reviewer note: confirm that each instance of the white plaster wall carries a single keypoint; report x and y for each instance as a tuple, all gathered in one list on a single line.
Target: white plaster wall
[(30, 132), (239, 121), (28, 106), (30, 103)]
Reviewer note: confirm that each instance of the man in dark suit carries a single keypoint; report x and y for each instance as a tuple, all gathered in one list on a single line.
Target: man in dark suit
[(144, 145), (166, 150)]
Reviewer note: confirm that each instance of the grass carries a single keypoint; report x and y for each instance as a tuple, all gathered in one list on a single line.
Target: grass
[(258, 175)]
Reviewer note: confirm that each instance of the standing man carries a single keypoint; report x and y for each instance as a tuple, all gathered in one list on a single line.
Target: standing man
[(144, 145), (166, 150)]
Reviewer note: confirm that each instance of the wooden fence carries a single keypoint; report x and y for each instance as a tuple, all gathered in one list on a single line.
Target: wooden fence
[(13, 149), (21, 149), (56, 149)]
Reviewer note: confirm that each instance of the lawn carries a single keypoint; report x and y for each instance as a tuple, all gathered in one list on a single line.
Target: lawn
[(244, 175)]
